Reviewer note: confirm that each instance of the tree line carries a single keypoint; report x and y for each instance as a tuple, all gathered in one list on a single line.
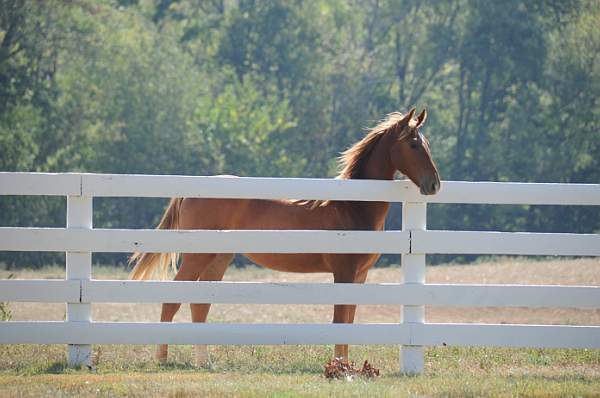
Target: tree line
[(279, 88)]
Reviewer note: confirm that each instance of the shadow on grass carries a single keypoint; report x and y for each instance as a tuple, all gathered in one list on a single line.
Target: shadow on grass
[(275, 370), (171, 366), (274, 366), (55, 368), (554, 378)]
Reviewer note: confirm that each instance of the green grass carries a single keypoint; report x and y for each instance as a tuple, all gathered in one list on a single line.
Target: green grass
[(27, 370)]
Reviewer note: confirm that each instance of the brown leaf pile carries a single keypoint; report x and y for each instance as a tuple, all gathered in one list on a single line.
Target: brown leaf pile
[(339, 369), (368, 370)]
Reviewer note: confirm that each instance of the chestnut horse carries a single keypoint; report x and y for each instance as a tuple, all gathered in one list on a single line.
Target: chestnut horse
[(393, 145)]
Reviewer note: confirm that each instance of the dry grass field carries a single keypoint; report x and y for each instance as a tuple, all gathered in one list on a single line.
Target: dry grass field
[(27, 370)]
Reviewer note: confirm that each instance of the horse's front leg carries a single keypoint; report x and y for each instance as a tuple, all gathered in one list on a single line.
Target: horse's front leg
[(188, 271), (345, 314), (341, 314)]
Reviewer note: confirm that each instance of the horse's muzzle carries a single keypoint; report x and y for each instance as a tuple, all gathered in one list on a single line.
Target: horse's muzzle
[(430, 185)]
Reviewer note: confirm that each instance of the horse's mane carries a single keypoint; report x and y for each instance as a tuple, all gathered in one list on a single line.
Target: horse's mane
[(353, 160)]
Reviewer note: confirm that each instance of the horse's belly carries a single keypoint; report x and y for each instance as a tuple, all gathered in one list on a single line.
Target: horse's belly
[(290, 262)]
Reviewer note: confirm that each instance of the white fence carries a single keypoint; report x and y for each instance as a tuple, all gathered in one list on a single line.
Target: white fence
[(79, 290)]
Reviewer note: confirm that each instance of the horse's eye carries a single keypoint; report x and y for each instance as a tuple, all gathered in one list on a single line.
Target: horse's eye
[(413, 144)]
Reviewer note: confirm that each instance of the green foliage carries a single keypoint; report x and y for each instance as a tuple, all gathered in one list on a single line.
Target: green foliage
[(240, 126), (280, 88)]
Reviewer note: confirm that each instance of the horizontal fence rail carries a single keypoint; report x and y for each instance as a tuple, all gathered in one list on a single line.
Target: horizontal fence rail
[(326, 293), (123, 185), (123, 291), (294, 241), (519, 243), (203, 241), (537, 336), (40, 290), (80, 239)]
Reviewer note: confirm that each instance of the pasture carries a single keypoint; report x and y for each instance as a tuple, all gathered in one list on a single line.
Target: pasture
[(297, 370)]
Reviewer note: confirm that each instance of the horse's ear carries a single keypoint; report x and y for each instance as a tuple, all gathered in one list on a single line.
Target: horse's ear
[(406, 117), (421, 118), (398, 126)]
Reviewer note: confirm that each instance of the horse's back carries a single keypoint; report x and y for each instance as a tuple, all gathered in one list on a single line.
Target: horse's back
[(207, 213)]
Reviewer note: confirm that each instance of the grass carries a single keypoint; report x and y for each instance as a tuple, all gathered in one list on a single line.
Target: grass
[(296, 371), (290, 371)]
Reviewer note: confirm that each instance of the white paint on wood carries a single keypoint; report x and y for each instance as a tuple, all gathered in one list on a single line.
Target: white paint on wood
[(293, 188), (242, 187), (414, 217), (515, 193), (79, 268), (488, 335), (370, 190), (294, 241), (203, 241), (530, 296), (40, 290), (536, 336), (242, 292), (119, 291), (124, 291), (198, 333), (55, 184), (521, 243)]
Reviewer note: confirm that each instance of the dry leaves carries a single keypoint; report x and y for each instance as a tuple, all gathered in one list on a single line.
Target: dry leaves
[(339, 369)]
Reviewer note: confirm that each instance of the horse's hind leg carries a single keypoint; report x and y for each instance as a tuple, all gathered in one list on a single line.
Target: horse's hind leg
[(192, 266), (341, 312), (214, 272)]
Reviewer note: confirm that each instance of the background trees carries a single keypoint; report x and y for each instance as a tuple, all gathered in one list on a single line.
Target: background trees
[(280, 88)]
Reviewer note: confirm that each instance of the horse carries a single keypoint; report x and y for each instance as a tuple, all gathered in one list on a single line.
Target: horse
[(394, 145)]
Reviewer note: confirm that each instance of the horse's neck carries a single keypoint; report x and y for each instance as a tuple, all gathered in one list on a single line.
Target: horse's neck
[(377, 167)]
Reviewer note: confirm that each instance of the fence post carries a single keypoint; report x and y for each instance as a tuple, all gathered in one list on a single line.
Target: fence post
[(79, 267), (414, 217)]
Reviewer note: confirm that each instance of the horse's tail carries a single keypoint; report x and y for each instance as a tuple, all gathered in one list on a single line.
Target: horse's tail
[(152, 265)]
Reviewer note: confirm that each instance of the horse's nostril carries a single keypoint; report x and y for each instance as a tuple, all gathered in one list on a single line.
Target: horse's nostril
[(429, 187)]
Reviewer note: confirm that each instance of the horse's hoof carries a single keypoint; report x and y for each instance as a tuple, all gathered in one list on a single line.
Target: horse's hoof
[(161, 360), (203, 358), (161, 355), (204, 364)]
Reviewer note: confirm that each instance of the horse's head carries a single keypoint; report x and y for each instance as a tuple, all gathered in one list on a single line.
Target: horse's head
[(410, 153)]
